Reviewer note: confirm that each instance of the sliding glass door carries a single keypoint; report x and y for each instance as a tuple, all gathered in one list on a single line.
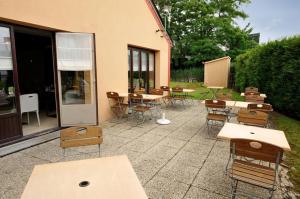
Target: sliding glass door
[(141, 69), (10, 122)]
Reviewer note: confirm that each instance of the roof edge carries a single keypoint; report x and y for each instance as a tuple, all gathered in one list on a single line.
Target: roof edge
[(158, 19), (226, 57)]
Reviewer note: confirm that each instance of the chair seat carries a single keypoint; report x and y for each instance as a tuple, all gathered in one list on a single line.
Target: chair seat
[(141, 108), (253, 174), (119, 105), (216, 117)]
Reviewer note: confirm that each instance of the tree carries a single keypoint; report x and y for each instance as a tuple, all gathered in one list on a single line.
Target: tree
[(205, 29)]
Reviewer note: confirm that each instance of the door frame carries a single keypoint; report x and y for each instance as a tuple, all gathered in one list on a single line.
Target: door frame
[(15, 28), (140, 50), (16, 85), (57, 90)]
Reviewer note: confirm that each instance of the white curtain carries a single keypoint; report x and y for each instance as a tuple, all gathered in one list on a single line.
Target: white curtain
[(75, 51), (5, 50)]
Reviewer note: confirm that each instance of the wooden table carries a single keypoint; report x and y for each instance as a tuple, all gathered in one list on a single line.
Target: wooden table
[(270, 136), (145, 96), (109, 178), (262, 95), (240, 104), (185, 90)]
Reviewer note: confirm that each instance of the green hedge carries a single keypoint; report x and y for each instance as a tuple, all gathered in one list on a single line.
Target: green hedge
[(188, 74), (275, 69)]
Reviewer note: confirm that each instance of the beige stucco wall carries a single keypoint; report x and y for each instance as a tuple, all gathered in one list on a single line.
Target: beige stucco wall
[(116, 24), (216, 72)]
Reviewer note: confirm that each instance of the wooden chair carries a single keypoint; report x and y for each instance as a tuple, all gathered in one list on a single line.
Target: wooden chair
[(254, 98), (266, 108), (81, 136), (167, 99), (138, 107), (253, 118), (251, 89), (254, 172), (216, 113), (117, 104), (156, 104), (178, 95), (139, 91)]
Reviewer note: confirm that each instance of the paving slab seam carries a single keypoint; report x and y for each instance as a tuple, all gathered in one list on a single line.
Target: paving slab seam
[(200, 169), (170, 160)]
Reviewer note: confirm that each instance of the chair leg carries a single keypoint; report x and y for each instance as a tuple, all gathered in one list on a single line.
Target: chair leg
[(38, 118), (27, 117), (234, 187)]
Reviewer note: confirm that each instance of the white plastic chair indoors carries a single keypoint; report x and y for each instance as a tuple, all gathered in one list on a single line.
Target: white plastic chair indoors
[(30, 103)]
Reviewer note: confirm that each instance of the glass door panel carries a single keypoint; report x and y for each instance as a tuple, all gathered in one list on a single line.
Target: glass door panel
[(76, 76), (10, 123), (129, 70), (143, 72), (135, 67), (151, 71)]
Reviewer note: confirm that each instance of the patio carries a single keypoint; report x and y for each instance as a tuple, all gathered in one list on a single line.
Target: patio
[(174, 161)]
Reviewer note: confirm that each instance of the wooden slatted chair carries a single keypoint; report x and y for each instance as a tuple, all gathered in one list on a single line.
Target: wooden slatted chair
[(251, 89), (138, 107), (117, 104), (254, 98), (216, 113), (266, 108), (157, 103), (178, 95), (81, 136), (167, 99), (254, 172), (253, 118)]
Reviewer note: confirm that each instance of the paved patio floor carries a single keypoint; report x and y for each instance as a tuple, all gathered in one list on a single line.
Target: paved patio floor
[(174, 161)]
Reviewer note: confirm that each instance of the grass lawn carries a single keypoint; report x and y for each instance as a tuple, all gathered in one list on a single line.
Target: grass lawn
[(201, 90), (290, 126)]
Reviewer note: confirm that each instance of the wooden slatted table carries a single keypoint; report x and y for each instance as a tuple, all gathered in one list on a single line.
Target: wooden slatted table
[(105, 178), (145, 96), (270, 136)]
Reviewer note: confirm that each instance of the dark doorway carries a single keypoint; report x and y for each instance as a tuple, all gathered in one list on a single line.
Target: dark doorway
[(36, 78)]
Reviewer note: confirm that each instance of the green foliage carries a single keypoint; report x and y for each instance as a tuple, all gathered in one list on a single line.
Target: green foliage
[(275, 69), (187, 75), (203, 30), (291, 127)]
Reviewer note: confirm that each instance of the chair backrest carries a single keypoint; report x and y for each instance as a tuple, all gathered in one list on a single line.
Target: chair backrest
[(80, 136), (135, 99), (254, 98), (215, 104), (252, 93), (255, 118), (113, 95), (139, 91), (156, 91), (29, 102), (260, 107), (165, 88), (251, 89), (256, 150), (177, 89)]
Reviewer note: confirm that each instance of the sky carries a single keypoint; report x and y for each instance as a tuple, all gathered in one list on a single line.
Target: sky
[(273, 19)]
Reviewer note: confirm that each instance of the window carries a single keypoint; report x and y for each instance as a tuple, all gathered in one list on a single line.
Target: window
[(7, 90), (141, 69)]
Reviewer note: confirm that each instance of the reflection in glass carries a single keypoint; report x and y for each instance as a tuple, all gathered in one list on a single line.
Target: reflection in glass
[(129, 71), (76, 87), (151, 71), (136, 83), (143, 78), (7, 91)]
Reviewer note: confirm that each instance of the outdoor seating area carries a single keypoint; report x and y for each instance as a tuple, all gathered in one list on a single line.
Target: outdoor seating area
[(209, 150)]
